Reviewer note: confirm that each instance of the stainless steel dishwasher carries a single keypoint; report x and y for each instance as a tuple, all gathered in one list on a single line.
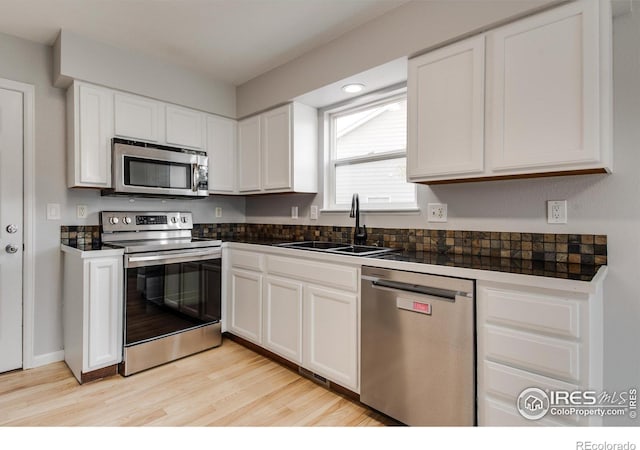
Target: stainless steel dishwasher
[(418, 341)]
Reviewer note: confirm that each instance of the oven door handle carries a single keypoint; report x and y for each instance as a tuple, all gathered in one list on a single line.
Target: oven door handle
[(157, 260)]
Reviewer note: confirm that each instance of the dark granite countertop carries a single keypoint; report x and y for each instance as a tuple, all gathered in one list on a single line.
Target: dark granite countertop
[(579, 272), (90, 246)]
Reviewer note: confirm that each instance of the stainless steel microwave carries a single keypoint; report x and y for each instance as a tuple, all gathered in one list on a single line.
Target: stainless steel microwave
[(142, 169)]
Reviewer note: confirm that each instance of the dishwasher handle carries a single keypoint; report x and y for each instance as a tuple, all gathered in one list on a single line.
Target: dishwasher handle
[(445, 294)]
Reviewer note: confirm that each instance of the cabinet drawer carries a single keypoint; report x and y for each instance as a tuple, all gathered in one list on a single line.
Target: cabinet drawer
[(508, 383), (496, 413), (547, 356), (338, 277), (246, 260), (542, 313)]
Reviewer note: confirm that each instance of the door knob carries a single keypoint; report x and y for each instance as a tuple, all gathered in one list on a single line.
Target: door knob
[(12, 228), (11, 248)]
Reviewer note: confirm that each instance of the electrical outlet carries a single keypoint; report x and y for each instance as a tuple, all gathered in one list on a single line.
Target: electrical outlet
[(436, 212), (81, 211), (218, 211), (294, 212), (313, 214), (557, 211)]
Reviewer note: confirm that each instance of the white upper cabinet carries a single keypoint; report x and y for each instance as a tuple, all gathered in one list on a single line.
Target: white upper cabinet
[(249, 155), (543, 108), (549, 77), (276, 148), (446, 111), (89, 132), (185, 127), (277, 151), (221, 149), (95, 115), (138, 118)]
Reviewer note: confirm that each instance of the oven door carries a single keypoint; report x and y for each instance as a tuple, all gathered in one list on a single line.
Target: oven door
[(170, 292), (152, 171)]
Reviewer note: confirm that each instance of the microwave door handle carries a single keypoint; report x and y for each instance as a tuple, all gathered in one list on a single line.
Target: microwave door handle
[(196, 177)]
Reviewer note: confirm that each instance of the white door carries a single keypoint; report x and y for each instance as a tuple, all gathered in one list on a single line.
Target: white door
[(282, 318), (275, 129), (249, 159), (245, 309), (331, 335), (446, 111), (221, 149), (11, 143), (545, 99)]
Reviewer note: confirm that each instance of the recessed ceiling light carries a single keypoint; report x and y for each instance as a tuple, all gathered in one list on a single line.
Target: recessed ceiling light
[(353, 88)]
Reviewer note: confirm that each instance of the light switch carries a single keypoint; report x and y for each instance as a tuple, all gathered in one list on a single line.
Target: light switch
[(313, 212), (53, 211), (218, 211), (294, 212)]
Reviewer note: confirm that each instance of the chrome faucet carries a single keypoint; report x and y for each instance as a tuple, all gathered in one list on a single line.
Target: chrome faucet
[(359, 234)]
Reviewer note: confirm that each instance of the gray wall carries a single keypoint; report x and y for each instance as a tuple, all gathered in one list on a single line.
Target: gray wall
[(80, 58), (33, 63), (600, 204), (404, 31)]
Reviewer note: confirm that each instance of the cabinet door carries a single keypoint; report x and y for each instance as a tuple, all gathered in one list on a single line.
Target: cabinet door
[(282, 318), (104, 312), (544, 100), (185, 127), (95, 128), (245, 308), (221, 149), (331, 335), (276, 149), (249, 155), (445, 97), (137, 118)]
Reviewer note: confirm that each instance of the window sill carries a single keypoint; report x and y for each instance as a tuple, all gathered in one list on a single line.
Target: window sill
[(413, 210)]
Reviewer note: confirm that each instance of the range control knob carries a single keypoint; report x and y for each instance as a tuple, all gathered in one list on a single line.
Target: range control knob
[(184, 220), (113, 220), (174, 220), (126, 220)]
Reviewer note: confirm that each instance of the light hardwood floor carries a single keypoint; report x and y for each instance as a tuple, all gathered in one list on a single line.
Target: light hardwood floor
[(227, 386)]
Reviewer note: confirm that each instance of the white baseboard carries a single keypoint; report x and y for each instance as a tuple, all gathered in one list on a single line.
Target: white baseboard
[(47, 358)]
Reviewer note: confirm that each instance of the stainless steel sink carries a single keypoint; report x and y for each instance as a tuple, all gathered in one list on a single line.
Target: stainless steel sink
[(313, 245), (335, 247)]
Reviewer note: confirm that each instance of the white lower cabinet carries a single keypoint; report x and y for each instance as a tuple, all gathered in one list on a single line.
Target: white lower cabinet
[(331, 334), (301, 309), (245, 305), (92, 311), (282, 317), (533, 337)]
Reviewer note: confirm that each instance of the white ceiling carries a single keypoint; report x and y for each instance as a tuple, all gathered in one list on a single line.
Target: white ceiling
[(231, 40)]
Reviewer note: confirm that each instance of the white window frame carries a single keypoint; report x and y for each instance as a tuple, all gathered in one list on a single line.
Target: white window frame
[(331, 164)]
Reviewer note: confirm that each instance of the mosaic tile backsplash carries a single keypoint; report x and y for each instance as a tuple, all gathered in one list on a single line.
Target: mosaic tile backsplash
[(586, 249)]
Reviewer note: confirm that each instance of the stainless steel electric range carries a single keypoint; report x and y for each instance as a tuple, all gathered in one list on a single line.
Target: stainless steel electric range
[(172, 286)]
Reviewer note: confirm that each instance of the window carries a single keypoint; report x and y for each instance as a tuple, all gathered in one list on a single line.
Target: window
[(368, 155)]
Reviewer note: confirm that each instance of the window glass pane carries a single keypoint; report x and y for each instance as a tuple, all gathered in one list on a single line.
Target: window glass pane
[(378, 184), (378, 129)]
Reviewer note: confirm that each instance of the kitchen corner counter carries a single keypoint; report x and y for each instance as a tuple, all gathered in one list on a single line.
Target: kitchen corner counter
[(89, 251), (573, 277)]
